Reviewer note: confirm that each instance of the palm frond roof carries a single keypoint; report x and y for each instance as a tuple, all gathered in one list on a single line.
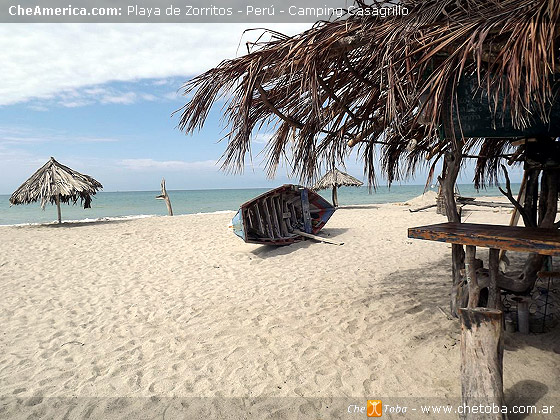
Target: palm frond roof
[(386, 85), (337, 178), (54, 180)]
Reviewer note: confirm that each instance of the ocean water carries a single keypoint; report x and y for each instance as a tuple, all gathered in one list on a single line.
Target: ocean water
[(143, 203)]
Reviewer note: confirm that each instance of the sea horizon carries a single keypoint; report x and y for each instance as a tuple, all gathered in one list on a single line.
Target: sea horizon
[(136, 204)]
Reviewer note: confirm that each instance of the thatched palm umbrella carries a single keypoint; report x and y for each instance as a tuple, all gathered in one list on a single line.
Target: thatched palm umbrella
[(334, 179), (56, 183)]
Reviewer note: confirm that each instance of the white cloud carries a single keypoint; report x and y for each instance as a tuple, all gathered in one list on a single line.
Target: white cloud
[(148, 97), (72, 98), (170, 165), (160, 82), (173, 96), (262, 138), (22, 135), (123, 99), (75, 103), (41, 108), (59, 59)]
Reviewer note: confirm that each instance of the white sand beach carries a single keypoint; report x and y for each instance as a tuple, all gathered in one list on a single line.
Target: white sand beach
[(180, 307)]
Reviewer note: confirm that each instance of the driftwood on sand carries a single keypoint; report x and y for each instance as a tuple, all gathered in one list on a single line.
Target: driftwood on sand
[(429, 206), (165, 196), (464, 201)]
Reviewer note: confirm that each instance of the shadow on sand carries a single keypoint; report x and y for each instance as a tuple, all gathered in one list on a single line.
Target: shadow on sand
[(77, 224), (428, 287), (431, 285), (272, 251), (524, 393)]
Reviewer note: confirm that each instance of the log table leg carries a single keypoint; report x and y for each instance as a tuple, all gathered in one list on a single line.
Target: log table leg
[(493, 291), (482, 363), (470, 268)]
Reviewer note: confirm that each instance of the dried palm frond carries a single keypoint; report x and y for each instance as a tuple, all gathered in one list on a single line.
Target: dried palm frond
[(387, 85)]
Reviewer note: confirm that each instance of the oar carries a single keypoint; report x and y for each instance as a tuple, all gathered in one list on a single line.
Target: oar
[(317, 238)]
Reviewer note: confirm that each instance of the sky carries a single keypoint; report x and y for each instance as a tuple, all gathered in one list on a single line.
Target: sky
[(99, 98)]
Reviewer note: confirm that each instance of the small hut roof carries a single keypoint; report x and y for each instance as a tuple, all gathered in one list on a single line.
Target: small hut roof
[(54, 179), (337, 178)]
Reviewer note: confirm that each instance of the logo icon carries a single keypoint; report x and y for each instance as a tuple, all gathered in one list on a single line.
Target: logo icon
[(374, 408)]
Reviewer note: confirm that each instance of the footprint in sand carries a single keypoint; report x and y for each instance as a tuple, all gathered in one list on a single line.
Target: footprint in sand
[(33, 401)]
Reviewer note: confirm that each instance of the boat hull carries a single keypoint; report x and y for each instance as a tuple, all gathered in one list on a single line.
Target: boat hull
[(273, 218)]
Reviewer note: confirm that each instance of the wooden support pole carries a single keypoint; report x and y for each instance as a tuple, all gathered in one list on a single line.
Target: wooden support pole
[(515, 215), (164, 196), (493, 291), (482, 352), (522, 315), (58, 208), (334, 196), (470, 271)]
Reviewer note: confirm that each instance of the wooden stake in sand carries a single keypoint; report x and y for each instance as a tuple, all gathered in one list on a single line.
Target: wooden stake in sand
[(482, 353), (57, 199), (164, 196)]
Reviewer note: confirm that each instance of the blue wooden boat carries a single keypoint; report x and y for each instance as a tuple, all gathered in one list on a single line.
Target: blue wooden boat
[(276, 217)]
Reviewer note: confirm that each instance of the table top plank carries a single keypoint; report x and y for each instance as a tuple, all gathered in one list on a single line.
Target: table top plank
[(511, 238)]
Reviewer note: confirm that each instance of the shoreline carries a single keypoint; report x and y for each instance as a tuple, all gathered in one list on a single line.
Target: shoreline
[(424, 199), (131, 204), (111, 219)]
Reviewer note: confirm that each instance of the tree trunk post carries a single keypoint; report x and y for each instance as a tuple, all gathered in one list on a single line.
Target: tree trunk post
[(452, 163), (57, 199), (482, 354), (334, 196)]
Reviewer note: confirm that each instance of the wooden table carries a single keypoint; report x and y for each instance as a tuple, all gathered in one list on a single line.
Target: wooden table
[(495, 237), (481, 328), (512, 238)]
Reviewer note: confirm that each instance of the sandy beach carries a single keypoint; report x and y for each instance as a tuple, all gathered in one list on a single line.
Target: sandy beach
[(103, 319)]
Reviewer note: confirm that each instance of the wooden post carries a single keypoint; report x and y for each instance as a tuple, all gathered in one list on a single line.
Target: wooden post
[(514, 220), (164, 196), (452, 164), (522, 315), (57, 199), (334, 196), (440, 203), (470, 270), (493, 267), (482, 354)]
